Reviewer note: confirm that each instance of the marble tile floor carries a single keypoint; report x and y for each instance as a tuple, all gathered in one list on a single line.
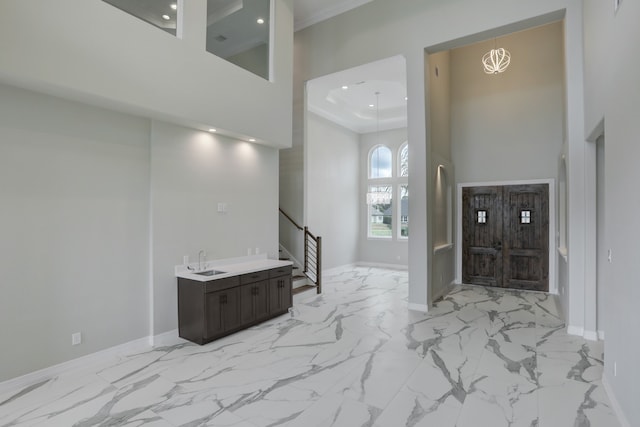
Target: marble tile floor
[(353, 356)]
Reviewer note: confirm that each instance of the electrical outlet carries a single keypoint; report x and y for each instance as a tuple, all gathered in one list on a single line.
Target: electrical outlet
[(615, 369), (76, 338)]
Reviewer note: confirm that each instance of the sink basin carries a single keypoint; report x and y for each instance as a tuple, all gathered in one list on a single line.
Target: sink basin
[(211, 273)]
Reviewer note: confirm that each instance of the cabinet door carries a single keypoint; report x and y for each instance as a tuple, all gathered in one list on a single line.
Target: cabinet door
[(280, 294), (222, 312), (254, 302), (261, 299)]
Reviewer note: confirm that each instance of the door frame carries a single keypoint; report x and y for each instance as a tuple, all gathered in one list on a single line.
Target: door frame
[(553, 281)]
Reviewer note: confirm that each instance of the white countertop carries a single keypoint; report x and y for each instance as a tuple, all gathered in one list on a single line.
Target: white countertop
[(230, 266)]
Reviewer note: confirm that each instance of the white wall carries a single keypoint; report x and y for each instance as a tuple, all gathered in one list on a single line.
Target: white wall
[(91, 199), (191, 172), (74, 224), (442, 195), (332, 183), (509, 126), (381, 29), (382, 251), (603, 290), (91, 51), (615, 93), (291, 201), (439, 75)]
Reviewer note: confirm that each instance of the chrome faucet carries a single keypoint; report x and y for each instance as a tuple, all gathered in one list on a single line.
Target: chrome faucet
[(201, 254)]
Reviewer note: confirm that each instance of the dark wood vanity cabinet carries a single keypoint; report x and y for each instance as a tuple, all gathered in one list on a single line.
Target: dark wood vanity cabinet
[(280, 295), (221, 308), (254, 296), (213, 309)]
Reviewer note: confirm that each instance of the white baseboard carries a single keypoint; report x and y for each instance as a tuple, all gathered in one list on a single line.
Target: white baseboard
[(581, 332), (614, 402), (167, 339), (590, 335), (445, 290), (102, 357), (90, 360), (423, 308), (575, 330), (337, 270), (382, 265)]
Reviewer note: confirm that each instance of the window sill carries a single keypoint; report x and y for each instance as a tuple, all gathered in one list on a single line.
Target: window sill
[(443, 248)]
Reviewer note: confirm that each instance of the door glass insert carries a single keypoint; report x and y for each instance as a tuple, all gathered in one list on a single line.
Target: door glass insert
[(525, 217), (482, 217)]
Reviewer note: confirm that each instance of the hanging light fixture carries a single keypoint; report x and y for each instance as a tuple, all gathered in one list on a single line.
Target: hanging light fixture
[(496, 60), (378, 197)]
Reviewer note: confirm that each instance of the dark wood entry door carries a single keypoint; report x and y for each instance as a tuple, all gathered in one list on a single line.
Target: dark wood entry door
[(505, 236)]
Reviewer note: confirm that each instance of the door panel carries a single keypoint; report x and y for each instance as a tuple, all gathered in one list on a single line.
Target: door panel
[(482, 235), (505, 236), (526, 237)]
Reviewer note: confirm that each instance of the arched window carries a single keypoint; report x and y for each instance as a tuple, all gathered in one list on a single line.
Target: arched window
[(380, 163), (388, 181), (404, 160)]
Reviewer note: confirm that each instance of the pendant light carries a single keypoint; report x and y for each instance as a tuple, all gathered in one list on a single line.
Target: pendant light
[(378, 197), (496, 60)]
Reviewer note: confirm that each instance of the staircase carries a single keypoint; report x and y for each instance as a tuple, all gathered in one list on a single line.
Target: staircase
[(300, 282), (309, 276)]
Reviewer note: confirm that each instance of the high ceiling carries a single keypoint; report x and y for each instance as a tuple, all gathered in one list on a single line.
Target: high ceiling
[(309, 12), (363, 99), (348, 97)]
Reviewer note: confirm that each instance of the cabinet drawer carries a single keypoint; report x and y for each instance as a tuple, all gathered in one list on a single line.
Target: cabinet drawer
[(221, 284), (280, 271), (254, 277)]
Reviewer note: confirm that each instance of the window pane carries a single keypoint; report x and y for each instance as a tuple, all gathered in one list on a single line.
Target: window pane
[(160, 13), (404, 160), (238, 31), (380, 163), (404, 211), (380, 211)]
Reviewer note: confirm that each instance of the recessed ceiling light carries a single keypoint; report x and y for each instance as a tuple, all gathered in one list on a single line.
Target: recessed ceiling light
[(174, 6), (371, 105), (166, 17), (345, 87), (260, 21), (213, 130), (406, 98), (252, 140)]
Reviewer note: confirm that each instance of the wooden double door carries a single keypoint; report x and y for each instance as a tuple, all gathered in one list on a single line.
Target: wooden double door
[(505, 236)]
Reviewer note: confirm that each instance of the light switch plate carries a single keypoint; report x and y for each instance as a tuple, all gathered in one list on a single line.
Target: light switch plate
[(76, 338)]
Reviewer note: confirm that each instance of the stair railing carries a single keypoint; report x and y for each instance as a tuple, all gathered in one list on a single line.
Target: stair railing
[(312, 253)]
